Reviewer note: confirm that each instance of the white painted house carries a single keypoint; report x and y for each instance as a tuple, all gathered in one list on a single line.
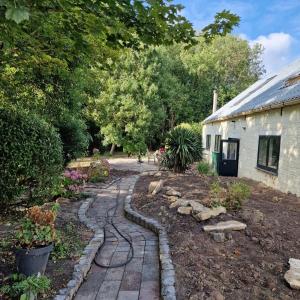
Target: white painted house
[(257, 134)]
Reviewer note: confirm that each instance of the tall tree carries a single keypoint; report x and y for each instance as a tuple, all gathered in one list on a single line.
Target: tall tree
[(147, 93), (48, 50)]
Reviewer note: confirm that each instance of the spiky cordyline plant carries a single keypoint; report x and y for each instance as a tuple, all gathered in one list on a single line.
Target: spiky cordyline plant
[(183, 148)]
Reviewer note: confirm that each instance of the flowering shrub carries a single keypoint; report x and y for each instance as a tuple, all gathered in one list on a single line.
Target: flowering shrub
[(37, 228), (99, 170), (73, 182)]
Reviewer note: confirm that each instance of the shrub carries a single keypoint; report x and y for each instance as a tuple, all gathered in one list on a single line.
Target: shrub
[(238, 192), (73, 133), (183, 147), (73, 182), (30, 156), (231, 197), (204, 168), (25, 288), (98, 170)]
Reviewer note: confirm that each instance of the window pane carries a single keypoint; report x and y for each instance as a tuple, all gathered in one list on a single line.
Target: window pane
[(232, 151), (274, 147), (262, 151), (208, 142), (217, 143), (225, 150)]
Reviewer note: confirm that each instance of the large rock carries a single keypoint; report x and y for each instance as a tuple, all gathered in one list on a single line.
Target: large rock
[(180, 202), (208, 213), (292, 276), (197, 207), (155, 187), (225, 226), (172, 192), (152, 186), (184, 210), (158, 187)]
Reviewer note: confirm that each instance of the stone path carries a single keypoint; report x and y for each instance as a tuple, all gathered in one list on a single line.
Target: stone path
[(139, 279)]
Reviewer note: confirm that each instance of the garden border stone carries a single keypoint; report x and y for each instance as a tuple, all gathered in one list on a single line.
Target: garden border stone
[(167, 278), (85, 262)]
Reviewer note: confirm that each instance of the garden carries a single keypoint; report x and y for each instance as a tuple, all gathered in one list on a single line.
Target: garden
[(83, 80), (229, 238)]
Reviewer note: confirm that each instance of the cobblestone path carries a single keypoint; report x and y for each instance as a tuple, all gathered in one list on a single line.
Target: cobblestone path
[(139, 279)]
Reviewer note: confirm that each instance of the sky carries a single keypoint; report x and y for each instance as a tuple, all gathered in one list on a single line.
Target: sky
[(273, 23)]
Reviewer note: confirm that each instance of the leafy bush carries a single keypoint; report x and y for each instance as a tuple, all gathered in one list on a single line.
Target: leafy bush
[(30, 156), (26, 288), (231, 197), (238, 192), (183, 147), (37, 228), (73, 133), (204, 168)]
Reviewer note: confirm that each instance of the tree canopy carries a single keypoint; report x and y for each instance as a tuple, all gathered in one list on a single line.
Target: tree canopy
[(132, 68), (145, 94)]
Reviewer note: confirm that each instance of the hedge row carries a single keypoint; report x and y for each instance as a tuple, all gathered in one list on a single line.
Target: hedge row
[(30, 156)]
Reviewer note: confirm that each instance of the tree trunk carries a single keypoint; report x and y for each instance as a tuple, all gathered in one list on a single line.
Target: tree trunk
[(112, 149)]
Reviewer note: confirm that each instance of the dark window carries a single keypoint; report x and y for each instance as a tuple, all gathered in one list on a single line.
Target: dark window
[(208, 138), (217, 143), (268, 153)]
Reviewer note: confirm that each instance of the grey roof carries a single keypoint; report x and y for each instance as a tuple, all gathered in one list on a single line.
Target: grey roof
[(263, 94)]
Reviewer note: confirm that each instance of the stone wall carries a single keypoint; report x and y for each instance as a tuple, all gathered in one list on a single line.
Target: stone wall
[(286, 123)]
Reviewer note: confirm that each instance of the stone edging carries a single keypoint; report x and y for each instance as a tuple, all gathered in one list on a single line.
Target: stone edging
[(167, 277), (84, 264)]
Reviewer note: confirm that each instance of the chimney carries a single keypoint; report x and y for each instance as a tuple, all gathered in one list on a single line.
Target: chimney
[(215, 101)]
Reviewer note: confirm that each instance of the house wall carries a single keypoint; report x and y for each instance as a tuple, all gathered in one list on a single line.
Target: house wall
[(248, 129)]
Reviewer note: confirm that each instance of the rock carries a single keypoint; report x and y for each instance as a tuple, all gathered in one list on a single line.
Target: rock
[(158, 174), (158, 187), (253, 215), (179, 202), (152, 186), (184, 210), (208, 213), (292, 276), (172, 198), (216, 295), (219, 237), (225, 226), (172, 192), (197, 207)]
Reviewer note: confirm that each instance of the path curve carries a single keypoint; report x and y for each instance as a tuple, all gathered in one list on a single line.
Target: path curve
[(140, 278)]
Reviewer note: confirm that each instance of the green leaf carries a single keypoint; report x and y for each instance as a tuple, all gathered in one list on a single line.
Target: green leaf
[(17, 14)]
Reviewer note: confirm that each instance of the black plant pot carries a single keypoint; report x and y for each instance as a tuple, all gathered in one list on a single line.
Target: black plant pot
[(33, 261)]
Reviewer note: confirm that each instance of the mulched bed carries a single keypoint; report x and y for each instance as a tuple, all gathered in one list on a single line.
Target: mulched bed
[(250, 264)]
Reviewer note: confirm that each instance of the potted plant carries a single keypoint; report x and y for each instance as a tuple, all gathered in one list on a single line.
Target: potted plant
[(35, 240)]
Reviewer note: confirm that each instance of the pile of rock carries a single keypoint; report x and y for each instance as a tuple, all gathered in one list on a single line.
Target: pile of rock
[(196, 209)]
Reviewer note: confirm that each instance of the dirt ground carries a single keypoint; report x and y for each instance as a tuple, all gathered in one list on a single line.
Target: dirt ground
[(250, 264)]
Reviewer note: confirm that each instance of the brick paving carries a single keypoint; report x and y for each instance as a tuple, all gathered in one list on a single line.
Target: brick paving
[(140, 278)]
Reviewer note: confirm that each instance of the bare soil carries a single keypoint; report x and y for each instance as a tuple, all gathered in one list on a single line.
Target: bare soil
[(250, 264)]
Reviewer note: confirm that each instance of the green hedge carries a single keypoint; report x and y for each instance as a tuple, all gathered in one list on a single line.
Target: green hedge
[(30, 156), (74, 136)]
